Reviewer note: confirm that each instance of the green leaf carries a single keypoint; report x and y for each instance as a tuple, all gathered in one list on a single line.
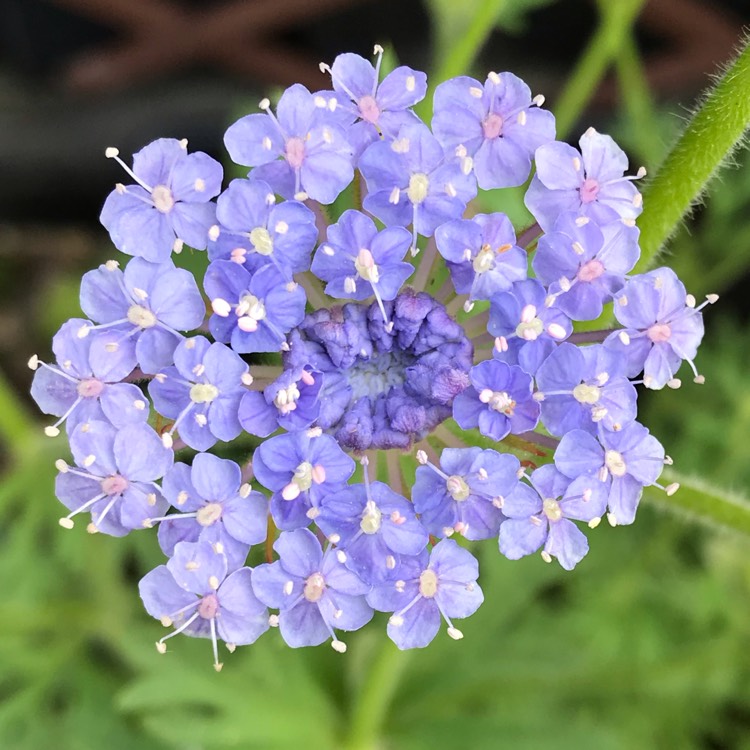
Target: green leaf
[(265, 697)]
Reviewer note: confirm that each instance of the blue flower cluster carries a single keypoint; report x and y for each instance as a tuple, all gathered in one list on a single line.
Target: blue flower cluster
[(377, 371)]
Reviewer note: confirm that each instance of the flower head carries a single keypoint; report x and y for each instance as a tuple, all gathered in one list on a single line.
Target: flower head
[(296, 151), (170, 204), (194, 593), (498, 124), (349, 364), (542, 515), (213, 504), (114, 477), (588, 182), (147, 305), (373, 107), (313, 591), (201, 392), (442, 585), (77, 391)]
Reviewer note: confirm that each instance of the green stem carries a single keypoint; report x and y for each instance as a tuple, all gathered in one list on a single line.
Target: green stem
[(374, 699), (458, 59), (636, 98), (703, 502), (708, 141), (16, 426), (617, 18)]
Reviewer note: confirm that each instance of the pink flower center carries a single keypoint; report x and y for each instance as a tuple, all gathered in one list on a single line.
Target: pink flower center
[(659, 332), (589, 190), (114, 485), (368, 109), (90, 388), (492, 126), (591, 270), (208, 607), (295, 152)]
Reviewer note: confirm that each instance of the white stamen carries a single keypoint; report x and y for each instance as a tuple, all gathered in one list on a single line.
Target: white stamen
[(221, 307)]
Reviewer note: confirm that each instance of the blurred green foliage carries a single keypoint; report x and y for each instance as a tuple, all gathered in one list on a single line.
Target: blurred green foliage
[(644, 646)]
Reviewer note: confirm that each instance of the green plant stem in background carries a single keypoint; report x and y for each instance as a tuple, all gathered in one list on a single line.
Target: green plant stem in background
[(637, 101), (16, 426), (459, 58), (617, 18), (374, 698), (702, 502), (707, 142)]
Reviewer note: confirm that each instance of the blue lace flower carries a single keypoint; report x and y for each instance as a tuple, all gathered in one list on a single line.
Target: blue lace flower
[(589, 183), (313, 591), (580, 388), (410, 181), (498, 401), (170, 204), (252, 312), (441, 585), (584, 264), (148, 305), (464, 495), (194, 593), (114, 477), (214, 505), (350, 364), (297, 151), (542, 515), (481, 254), (374, 107), (301, 469), (662, 327), (625, 461), (498, 124), (527, 329), (202, 392), (78, 391), (254, 230), (374, 526)]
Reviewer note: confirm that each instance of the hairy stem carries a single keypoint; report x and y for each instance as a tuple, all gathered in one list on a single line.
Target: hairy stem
[(703, 502), (709, 139)]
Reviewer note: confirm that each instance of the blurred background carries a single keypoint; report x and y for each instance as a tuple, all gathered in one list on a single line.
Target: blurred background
[(644, 646)]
